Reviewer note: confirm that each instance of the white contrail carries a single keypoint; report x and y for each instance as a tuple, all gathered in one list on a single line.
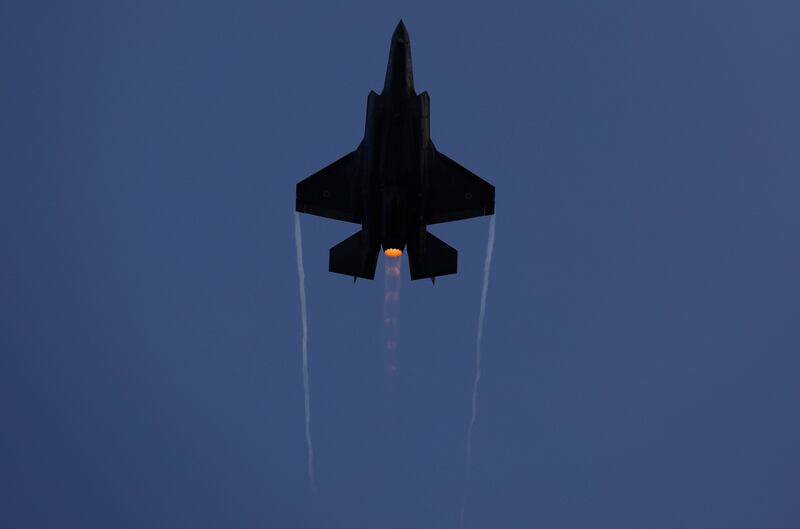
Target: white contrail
[(487, 264), (298, 239)]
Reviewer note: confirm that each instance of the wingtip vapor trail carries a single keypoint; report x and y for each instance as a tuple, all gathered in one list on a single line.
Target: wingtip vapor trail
[(484, 291), (298, 238)]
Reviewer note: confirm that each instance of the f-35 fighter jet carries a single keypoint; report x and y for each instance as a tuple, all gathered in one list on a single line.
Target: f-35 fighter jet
[(395, 183)]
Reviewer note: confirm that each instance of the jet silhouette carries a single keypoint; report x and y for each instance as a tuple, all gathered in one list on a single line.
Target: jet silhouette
[(395, 183)]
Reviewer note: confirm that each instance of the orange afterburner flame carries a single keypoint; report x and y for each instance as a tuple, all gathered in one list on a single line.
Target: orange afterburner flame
[(393, 252)]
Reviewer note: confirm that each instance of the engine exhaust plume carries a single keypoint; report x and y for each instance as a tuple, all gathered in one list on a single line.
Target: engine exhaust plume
[(487, 264), (298, 239), (391, 307)]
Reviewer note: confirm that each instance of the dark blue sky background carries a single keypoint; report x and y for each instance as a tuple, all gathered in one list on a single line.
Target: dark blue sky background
[(641, 348)]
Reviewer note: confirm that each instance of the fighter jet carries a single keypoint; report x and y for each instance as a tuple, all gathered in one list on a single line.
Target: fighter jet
[(395, 183)]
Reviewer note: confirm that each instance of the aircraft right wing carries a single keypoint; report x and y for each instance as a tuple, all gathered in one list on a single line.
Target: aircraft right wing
[(456, 193), (332, 191)]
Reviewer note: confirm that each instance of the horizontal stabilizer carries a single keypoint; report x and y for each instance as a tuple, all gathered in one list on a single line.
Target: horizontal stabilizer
[(352, 257), (432, 258)]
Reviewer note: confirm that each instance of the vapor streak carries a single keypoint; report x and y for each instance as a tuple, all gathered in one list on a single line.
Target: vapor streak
[(298, 239), (487, 264)]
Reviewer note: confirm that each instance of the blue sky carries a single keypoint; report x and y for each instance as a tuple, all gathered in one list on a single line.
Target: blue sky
[(641, 343)]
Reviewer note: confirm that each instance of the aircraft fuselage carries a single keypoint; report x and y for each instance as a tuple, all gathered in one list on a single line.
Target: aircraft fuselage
[(396, 182)]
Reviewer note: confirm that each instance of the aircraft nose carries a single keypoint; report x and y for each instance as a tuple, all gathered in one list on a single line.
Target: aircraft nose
[(400, 33)]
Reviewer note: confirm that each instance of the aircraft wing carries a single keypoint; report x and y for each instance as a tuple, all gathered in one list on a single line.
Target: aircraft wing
[(332, 191), (456, 193)]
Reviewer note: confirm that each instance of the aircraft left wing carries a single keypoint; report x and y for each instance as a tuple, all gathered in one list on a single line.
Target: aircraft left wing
[(331, 192), (456, 193)]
